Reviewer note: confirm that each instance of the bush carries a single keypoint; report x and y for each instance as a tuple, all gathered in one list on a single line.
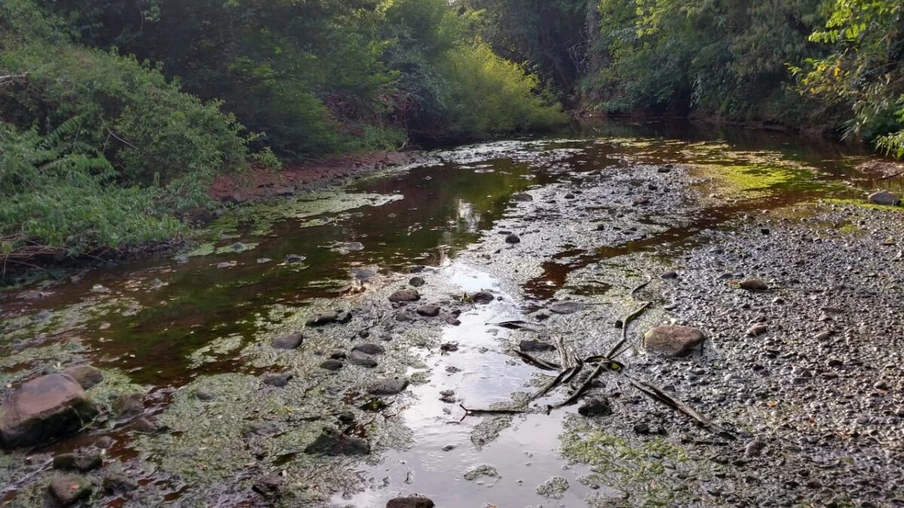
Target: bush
[(489, 96), (57, 202)]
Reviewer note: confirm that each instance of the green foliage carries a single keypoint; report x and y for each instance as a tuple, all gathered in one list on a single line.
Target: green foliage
[(489, 95), (865, 70), (97, 150), (56, 201)]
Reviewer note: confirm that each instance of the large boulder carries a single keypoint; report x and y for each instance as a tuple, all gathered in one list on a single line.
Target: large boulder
[(44, 409), (672, 340), (884, 198)]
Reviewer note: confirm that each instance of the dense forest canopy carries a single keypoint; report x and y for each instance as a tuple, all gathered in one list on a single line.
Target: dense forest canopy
[(116, 114)]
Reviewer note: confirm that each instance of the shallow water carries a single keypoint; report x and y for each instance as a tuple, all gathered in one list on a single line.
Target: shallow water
[(152, 320)]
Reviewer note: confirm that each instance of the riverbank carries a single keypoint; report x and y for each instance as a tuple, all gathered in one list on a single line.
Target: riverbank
[(324, 354)]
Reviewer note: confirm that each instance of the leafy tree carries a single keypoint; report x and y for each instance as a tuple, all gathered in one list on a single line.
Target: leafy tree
[(865, 70)]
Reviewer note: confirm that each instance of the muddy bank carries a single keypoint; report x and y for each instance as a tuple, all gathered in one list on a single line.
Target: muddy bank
[(259, 184), (322, 350)]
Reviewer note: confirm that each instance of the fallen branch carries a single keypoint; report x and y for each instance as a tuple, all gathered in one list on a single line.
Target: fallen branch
[(581, 389), (536, 362), (645, 284), (656, 393), (614, 352)]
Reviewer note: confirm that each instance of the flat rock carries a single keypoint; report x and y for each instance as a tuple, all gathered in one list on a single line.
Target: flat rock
[(410, 502), (884, 198), (332, 365), (483, 297), (85, 375), (44, 409), (294, 258), (361, 359), (532, 346), (757, 330), (672, 340), (387, 386), (405, 295), (568, 307), (291, 341), (323, 319), (596, 406), (80, 461), (334, 444), (118, 484), (522, 197), (278, 380), (370, 349), (753, 285), (429, 310), (69, 489), (128, 404)]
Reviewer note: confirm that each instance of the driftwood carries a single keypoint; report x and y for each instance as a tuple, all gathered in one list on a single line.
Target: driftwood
[(614, 352)]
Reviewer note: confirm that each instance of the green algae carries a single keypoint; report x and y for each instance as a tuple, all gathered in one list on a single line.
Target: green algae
[(630, 464)]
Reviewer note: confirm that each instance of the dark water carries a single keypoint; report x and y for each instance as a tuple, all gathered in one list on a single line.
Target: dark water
[(442, 209)]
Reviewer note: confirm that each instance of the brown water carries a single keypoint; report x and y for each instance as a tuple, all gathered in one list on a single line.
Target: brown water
[(423, 215)]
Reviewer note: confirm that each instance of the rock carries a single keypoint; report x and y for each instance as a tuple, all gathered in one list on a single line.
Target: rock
[(428, 310), (669, 275), (522, 197), (448, 347), (596, 406), (641, 429), (278, 380), (405, 295), (291, 341), (416, 268), (238, 247), (105, 442), (334, 444), (410, 502), (80, 461), (480, 472), (284, 191), (823, 335), (512, 239), (294, 258), (269, 487), (118, 484), (757, 330), (884, 198), (387, 387), (332, 365), (128, 404), (417, 282), (204, 395), (226, 264), (70, 489), (754, 448), (672, 340), (483, 297), (568, 196), (362, 360), (370, 349), (263, 261), (353, 246), (323, 319), (344, 317), (145, 426), (664, 169), (44, 409), (568, 307), (529, 346), (406, 316), (554, 488), (447, 396), (85, 375), (753, 285)]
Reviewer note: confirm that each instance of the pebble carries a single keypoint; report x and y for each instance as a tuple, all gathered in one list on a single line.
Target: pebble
[(512, 239)]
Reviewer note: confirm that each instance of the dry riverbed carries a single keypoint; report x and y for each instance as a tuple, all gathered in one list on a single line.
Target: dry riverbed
[(361, 346)]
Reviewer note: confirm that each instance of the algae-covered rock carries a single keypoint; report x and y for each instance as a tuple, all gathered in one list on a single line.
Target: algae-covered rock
[(44, 409)]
